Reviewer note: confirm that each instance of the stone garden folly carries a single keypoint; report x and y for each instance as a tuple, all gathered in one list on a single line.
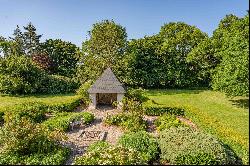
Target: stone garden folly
[(106, 89)]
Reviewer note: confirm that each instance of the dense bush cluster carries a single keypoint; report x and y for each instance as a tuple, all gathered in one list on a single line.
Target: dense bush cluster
[(128, 121), (142, 142), (62, 120), (166, 121), (19, 75), (186, 146), (24, 142)]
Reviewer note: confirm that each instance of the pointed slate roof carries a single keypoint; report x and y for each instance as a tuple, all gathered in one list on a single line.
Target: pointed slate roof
[(107, 83)]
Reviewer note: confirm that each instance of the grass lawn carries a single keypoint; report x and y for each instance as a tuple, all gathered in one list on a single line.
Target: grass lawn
[(9, 101), (226, 118)]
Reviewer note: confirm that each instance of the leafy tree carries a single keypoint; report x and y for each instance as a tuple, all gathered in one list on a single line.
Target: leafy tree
[(160, 60), (223, 58), (232, 74), (178, 40), (105, 48), (63, 56)]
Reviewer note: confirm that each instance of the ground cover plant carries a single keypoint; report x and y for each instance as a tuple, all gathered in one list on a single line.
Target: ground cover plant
[(186, 146), (213, 112)]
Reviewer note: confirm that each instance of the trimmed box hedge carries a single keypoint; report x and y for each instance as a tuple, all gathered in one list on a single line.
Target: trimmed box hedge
[(155, 110)]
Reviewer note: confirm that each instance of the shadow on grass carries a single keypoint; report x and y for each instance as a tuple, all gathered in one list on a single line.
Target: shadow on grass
[(232, 153), (243, 103)]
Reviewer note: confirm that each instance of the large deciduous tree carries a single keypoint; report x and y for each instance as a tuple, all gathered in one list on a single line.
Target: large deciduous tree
[(160, 60), (62, 56), (232, 74), (105, 48), (223, 58)]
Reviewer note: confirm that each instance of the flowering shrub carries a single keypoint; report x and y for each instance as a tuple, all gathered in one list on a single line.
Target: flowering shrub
[(113, 155), (24, 142), (142, 142), (187, 146)]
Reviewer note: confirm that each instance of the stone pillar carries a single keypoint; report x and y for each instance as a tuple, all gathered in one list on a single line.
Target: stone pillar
[(119, 99), (93, 100)]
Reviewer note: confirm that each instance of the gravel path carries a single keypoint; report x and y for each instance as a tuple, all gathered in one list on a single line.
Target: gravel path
[(79, 146)]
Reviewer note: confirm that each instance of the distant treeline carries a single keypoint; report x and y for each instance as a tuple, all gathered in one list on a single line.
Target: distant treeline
[(179, 56)]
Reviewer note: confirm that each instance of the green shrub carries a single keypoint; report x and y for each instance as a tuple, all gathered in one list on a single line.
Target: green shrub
[(98, 146), (32, 110), (24, 142), (68, 106), (19, 75), (56, 157), (83, 90), (159, 110), (181, 145), (165, 121), (62, 120), (133, 100), (54, 84), (136, 94), (128, 121), (142, 142), (113, 155)]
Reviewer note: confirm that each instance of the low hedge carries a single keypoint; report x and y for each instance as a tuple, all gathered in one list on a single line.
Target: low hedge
[(61, 107), (62, 120), (155, 110), (33, 111), (128, 121), (142, 142), (186, 146)]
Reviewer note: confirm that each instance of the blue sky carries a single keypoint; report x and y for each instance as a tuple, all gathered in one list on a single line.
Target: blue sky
[(70, 20)]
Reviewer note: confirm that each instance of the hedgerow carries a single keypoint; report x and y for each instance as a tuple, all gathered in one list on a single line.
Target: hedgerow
[(159, 110)]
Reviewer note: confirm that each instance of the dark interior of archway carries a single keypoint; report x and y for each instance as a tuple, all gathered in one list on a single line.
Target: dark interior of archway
[(105, 99)]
